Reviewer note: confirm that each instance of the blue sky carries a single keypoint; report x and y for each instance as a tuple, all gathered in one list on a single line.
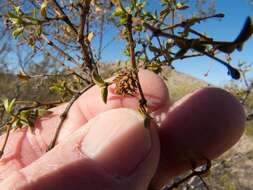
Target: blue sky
[(228, 28)]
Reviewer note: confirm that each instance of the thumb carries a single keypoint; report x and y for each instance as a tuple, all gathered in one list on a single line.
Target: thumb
[(112, 151)]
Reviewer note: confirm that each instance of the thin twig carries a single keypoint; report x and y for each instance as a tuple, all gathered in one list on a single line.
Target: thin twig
[(8, 129), (5, 139), (64, 17), (63, 116), (158, 32), (80, 34), (200, 35), (85, 7), (248, 91), (68, 68), (204, 182), (63, 53), (189, 21), (143, 101)]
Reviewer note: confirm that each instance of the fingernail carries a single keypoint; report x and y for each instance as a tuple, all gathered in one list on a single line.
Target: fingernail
[(117, 141)]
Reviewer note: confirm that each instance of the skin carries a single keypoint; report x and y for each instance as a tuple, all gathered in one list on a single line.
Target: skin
[(105, 146)]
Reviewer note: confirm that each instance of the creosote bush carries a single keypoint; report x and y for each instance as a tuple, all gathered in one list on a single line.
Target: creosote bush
[(65, 30)]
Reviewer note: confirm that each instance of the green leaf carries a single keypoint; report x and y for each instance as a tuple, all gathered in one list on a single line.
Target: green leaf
[(23, 114), (16, 124), (14, 18), (17, 10), (181, 6), (12, 15), (8, 105), (155, 15), (34, 12), (97, 79), (145, 12), (119, 12), (39, 30), (147, 121), (17, 32), (156, 68), (11, 105), (5, 103), (43, 9), (165, 12), (28, 117), (31, 42), (104, 93), (123, 21)]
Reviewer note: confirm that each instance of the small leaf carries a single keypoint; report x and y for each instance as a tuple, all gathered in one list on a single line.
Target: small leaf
[(34, 12), (246, 69), (123, 21), (43, 9), (31, 41), (23, 114), (11, 105), (5, 103), (181, 6), (97, 79), (147, 13), (104, 93), (118, 12), (17, 32), (11, 15), (8, 105), (156, 68), (90, 36), (16, 124), (39, 30), (147, 121), (165, 12), (147, 117), (17, 10), (14, 18)]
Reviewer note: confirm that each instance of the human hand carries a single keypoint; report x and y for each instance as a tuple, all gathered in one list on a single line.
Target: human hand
[(101, 147)]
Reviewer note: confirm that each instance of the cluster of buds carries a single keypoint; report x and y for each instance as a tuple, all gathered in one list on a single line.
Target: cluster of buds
[(126, 83)]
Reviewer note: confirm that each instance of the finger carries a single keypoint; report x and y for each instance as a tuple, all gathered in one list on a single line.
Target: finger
[(202, 125), (24, 147), (112, 151)]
